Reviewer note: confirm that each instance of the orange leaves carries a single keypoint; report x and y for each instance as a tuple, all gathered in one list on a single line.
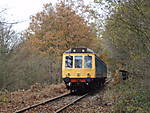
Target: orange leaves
[(58, 28)]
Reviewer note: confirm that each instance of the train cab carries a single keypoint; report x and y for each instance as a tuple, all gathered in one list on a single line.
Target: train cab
[(78, 68)]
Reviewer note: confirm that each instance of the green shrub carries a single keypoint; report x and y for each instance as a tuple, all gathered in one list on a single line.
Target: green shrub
[(131, 98)]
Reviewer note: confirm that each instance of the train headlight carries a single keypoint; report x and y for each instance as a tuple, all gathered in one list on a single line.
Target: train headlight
[(83, 50), (68, 74), (88, 75), (78, 74)]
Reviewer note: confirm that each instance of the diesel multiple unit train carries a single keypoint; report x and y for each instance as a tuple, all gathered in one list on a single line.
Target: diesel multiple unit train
[(82, 69)]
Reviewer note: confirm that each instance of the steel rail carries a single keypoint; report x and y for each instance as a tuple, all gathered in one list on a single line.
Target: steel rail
[(107, 81), (43, 102), (74, 101)]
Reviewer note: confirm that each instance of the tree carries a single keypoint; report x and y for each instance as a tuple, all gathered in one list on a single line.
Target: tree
[(7, 42), (51, 32), (59, 28), (128, 31)]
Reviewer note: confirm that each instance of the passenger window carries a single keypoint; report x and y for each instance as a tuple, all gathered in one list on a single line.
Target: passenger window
[(69, 62), (78, 61), (88, 62)]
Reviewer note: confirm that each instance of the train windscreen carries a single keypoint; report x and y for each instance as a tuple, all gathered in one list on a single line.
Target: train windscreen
[(78, 61), (69, 62), (88, 62)]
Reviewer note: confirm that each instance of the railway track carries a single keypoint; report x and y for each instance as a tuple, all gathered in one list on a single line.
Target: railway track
[(72, 102), (55, 99)]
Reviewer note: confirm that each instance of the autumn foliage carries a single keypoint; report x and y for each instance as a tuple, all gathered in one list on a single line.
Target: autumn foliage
[(37, 58), (56, 29)]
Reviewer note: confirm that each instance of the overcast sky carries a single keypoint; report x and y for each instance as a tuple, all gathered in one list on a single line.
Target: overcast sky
[(21, 10)]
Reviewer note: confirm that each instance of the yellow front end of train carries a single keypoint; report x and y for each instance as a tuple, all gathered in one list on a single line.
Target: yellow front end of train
[(82, 69), (78, 65)]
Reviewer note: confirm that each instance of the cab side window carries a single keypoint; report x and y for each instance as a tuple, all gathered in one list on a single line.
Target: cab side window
[(88, 62), (69, 62)]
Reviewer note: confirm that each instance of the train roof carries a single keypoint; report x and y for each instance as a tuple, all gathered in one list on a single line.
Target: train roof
[(79, 50)]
